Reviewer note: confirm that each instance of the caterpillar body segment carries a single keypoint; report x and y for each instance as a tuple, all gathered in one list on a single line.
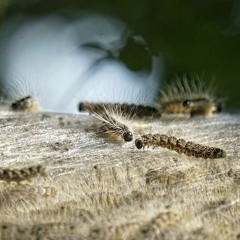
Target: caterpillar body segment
[(180, 145), (174, 107), (129, 110), (23, 174), (193, 107)]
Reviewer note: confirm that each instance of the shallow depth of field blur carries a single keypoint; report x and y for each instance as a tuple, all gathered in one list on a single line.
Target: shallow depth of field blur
[(199, 36)]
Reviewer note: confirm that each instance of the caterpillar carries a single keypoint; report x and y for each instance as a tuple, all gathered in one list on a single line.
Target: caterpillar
[(132, 110), (18, 175), (202, 106), (110, 127), (115, 129), (26, 104), (180, 145), (189, 95)]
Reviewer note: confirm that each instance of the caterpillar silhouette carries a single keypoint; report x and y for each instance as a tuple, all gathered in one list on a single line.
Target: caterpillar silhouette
[(112, 121), (130, 110), (180, 145), (110, 126)]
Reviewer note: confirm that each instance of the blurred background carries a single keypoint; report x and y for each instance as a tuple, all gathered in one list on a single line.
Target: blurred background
[(198, 36)]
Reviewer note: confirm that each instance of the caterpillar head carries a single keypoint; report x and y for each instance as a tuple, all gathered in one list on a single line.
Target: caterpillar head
[(127, 136), (138, 143)]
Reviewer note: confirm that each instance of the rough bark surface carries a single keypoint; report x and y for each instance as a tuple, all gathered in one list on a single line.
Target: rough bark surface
[(97, 189)]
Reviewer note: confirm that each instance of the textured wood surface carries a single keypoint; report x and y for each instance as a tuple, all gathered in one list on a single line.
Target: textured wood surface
[(97, 189)]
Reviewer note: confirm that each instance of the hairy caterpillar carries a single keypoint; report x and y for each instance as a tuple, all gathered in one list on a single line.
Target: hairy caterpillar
[(26, 104), (18, 175), (180, 145), (202, 107), (189, 97), (114, 128), (24, 95), (132, 110), (110, 126)]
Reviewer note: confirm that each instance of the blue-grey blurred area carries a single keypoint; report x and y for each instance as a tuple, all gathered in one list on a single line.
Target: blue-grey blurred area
[(62, 62), (68, 51)]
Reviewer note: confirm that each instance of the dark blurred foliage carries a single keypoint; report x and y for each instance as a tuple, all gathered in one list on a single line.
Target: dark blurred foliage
[(190, 35)]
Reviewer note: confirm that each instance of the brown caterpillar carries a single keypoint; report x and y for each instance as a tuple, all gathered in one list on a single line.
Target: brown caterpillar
[(180, 145), (194, 107), (189, 97), (18, 175), (26, 104), (131, 110), (115, 129), (110, 126), (202, 107)]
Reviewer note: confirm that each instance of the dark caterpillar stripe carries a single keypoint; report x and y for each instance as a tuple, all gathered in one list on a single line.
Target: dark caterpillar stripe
[(131, 110), (180, 145)]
